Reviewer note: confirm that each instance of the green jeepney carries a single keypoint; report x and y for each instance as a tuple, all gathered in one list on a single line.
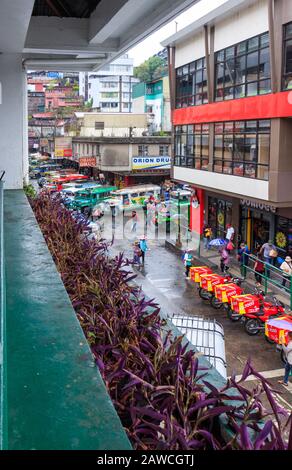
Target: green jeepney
[(88, 198)]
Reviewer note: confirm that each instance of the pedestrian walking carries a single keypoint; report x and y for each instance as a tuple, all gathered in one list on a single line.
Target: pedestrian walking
[(207, 234), (288, 355), (269, 252), (137, 253), (286, 267), (143, 247), (134, 221), (243, 259), (224, 259), (259, 268), (229, 233), (187, 262)]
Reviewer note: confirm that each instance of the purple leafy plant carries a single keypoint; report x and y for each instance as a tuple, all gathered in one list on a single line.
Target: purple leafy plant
[(162, 395)]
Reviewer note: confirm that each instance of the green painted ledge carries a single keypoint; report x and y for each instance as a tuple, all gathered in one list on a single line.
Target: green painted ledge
[(56, 398)]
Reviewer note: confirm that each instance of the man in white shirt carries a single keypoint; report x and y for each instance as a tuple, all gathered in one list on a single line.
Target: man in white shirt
[(229, 233)]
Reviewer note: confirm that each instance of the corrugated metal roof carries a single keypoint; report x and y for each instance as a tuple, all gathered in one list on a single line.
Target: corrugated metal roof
[(65, 8)]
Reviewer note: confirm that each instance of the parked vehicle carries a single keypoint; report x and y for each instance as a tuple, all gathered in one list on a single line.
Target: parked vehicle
[(255, 322), (133, 197), (254, 309), (86, 199), (210, 281)]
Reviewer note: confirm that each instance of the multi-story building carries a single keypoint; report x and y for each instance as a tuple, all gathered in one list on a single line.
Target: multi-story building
[(118, 145), (153, 98), (110, 88), (230, 76), (62, 97)]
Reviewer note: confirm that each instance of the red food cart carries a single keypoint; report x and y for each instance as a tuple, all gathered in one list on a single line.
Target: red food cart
[(197, 271), (224, 292), (209, 281), (245, 303)]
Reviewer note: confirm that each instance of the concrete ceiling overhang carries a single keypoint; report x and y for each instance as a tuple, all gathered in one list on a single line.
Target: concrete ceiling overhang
[(87, 43)]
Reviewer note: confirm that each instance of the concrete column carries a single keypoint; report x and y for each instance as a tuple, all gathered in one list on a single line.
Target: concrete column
[(13, 121)]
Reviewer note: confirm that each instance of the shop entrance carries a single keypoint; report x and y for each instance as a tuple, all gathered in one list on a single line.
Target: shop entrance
[(255, 228)]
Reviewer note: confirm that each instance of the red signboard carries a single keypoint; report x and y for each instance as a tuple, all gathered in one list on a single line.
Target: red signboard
[(269, 106), (87, 161)]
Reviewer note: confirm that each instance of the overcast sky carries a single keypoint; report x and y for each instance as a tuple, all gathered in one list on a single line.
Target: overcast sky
[(151, 45)]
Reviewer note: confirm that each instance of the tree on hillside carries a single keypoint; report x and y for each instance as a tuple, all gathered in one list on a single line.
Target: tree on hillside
[(151, 69)]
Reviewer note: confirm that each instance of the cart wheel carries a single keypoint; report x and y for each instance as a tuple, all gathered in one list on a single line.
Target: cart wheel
[(215, 302), (251, 326), (204, 294), (233, 316)]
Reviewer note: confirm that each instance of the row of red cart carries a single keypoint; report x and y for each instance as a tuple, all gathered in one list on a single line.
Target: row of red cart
[(257, 312)]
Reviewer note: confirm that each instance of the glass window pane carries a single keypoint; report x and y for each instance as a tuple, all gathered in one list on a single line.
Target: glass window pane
[(240, 69), (199, 64), (253, 44), (179, 72), (198, 128), (263, 149), (251, 126), (220, 56), (238, 168), (198, 164), (238, 147), (241, 48), (218, 166), (250, 153), (227, 168), (264, 87), (250, 170), (264, 66), (265, 39), (252, 66), (252, 89), (228, 147), (239, 126), (229, 93), (228, 127), (192, 67), (229, 75), (287, 83), (205, 164), (229, 52), (218, 127), (218, 146), (205, 128), (288, 56), (197, 146), (288, 30), (239, 91), (264, 125), (185, 69), (205, 147)]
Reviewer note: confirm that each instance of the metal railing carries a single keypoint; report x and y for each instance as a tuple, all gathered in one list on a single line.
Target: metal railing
[(270, 276), (2, 327)]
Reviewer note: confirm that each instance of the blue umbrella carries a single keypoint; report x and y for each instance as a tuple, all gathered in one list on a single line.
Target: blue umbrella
[(217, 242)]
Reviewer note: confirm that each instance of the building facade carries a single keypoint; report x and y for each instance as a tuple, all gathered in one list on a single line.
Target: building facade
[(110, 88), (153, 98), (230, 76), (119, 146)]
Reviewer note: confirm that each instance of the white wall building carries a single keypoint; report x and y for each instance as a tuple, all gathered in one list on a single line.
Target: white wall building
[(110, 88)]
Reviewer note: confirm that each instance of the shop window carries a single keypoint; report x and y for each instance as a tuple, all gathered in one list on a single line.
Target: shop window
[(243, 70), (287, 78), (242, 148), (283, 235)]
